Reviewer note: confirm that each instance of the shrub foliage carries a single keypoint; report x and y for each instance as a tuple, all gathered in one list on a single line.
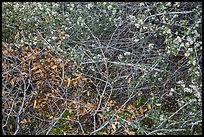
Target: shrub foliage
[(102, 68)]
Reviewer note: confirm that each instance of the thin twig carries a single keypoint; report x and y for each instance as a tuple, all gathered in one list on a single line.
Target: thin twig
[(174, 114), (159, 14)]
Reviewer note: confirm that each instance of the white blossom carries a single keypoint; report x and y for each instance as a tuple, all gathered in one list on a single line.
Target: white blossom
[(188, 90), (197, 94), (178, 40), (110, 7), (127, 53), (161, 117), (194, 62), (172, 90), (190, 49), (190, 40), (187, 54), (187, 44), (89, 6)]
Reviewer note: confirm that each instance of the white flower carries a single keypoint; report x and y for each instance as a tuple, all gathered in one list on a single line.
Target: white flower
[(137, 25), (168, 3), (54, 38), (183, 85), (66, 35), (182, 45), (161, 117), (150, 46), (197, 94), (170, 94), (187, 54), (168, 31), (142, 4), (194, 62), (197, 45), (136, 40), (140, 21), (190, 49), (188, 90), (178, 40), (193, 100), (180, 82), (190, 40), (34, 42), (127, 53), (120, 57), (131, 17), (180, 102), (187, 44), (99, 55), (177, 4), (196, 33), (72, 5), (197, 73), (168, 51), (110, 7), (113, 11), (90, 5), (172, 90), (193, 87)]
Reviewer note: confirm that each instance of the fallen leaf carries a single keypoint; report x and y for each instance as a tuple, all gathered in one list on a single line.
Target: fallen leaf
[(141, 110), (12, 82), (113, 126), (25, 48), (129, 132), (100, 115), (78, 75), (57, 31), (88, 93), (70, 110), (69, 80), (89, 105), (58, 43), (158, 104), (29, 54), (24, 121), (17, 35), (34, 68), (54, 66), (130, 107), (148, 106), (51, 117), (38, 82), (74, 82), (35, 103), (63, 32), (46, 20), (38, 71), (129, 80), (137, 114)]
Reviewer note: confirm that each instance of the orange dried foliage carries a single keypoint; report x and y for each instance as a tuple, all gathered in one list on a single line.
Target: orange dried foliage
[(141, 110)]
